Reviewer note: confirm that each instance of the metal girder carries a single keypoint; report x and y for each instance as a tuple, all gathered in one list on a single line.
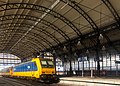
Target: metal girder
[(112, 45), (103, 30), (21, 49), (93, 34), (28, 26), (26, 47), (16, 54), (9, 63), (112, 10), (9, 58), (36, 38), (36, 44), (75, 6), (33, 18), (38, 8), (33, 37), (21, 54), (58, 16)]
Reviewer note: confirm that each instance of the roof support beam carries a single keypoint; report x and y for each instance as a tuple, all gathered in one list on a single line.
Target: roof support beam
[(36, 23), (34, 37), (33, 18), (103, 30), (40, 9), (112, 10), (75, 6), (24, 25)]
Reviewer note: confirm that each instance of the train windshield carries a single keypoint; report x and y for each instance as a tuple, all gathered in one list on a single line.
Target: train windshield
[(47, 64)]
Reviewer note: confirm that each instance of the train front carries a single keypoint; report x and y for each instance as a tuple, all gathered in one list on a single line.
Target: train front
[(48, 71)]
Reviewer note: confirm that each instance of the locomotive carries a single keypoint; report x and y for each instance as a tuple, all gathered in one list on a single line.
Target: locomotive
[(40, 69)]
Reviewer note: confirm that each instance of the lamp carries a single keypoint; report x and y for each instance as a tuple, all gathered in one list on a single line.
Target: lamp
[(54, 52), (87, 51), (100, 37), (103, 48), (64, 48), (79, 44), (75, 54)]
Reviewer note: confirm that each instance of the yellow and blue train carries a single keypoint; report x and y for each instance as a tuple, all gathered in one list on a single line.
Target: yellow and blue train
[(38, 69)]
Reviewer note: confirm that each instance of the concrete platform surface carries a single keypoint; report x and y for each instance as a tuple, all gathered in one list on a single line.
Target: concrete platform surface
[(95, 81)]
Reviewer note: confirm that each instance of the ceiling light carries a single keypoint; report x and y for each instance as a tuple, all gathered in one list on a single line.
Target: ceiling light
[(64, 48), (79, 43), (100, 37), (87, 51), (103, 48)]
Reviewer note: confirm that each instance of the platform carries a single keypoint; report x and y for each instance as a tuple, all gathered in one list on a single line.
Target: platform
[(88, 81)]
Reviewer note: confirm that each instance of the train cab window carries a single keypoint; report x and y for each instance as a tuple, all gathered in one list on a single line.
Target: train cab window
[(44, 63), (47, 63), (50, 63)]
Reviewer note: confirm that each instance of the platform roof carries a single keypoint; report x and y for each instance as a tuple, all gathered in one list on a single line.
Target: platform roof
[(29, 26)]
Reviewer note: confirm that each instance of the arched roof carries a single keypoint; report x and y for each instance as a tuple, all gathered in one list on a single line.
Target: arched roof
[(27, 26)]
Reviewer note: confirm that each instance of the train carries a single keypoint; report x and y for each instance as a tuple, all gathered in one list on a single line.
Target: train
[(40, 69)]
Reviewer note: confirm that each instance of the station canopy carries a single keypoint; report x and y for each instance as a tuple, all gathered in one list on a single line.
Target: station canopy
[(28, 26)]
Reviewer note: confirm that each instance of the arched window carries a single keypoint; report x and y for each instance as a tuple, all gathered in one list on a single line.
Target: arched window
[(8, 60)]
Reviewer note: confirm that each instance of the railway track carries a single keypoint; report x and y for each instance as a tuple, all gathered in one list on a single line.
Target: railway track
[(14, 82), (22, 82)]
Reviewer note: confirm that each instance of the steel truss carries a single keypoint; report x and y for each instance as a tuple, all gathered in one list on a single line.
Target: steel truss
[(112, 10), (28, 26), (38, 8), (32, 18), (76, 6), (30, 49), (34, 37), (93, 34), (14, 6)]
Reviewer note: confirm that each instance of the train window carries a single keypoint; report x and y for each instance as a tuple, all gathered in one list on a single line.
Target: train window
[(47, 63), (44, 63), (50, 63)]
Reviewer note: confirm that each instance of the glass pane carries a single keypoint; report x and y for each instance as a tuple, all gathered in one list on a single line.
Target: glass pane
[(50, 62), (43, 62)]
